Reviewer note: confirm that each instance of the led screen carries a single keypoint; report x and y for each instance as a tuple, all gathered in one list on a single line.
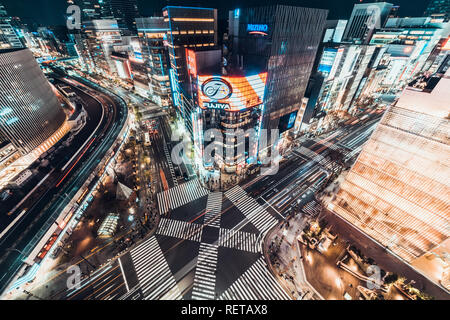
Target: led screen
[(231, 93)]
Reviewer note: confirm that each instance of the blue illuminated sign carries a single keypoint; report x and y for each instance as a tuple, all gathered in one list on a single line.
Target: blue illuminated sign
[(257, 27), (292, 118)]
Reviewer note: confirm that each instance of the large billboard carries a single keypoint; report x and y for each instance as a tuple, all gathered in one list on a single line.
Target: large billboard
[(231, 93)]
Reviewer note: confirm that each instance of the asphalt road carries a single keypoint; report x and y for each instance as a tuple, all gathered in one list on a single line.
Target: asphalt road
[(41, 214), (209, 248)]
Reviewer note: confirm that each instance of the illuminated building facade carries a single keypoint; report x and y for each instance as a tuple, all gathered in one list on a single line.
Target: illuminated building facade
[(30, 113), (122, 65), (398, 190), (230, 104), (124, 11), (189, 27), (282, 40), (100, 38), (8, 36), (152, 34)]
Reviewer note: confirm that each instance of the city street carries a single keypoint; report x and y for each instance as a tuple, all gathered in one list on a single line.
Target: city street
[(209, 245)]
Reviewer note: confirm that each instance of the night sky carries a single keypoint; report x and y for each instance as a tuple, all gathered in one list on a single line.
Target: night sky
[(51, 12)]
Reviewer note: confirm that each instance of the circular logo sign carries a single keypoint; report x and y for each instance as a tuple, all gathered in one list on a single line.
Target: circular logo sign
[(217, 89)]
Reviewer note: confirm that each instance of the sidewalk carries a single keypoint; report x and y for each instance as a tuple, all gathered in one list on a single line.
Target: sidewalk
[(288, 269)]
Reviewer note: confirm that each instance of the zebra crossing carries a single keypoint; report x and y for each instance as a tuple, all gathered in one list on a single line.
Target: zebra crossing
[(205, 272), (240, 240), (254, 212), (180, 195), (312, 208), (257, 283), (169, 161), (155, 278), (213, 209), (180, 229)]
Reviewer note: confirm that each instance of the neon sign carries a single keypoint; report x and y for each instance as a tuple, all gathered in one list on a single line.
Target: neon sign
[(216, 105), (217, 89), (257, 29)]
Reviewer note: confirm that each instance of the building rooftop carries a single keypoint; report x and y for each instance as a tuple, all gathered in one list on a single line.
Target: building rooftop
[(428, 95)]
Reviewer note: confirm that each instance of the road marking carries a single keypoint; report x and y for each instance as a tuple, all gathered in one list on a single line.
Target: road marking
[(123, 274)]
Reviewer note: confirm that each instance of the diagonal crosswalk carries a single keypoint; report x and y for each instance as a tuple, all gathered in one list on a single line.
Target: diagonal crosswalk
[(180, 229), (257, 283), (155, 278), (254, 212), (180, 195), (205, 273), (213, 209), (240, 240)]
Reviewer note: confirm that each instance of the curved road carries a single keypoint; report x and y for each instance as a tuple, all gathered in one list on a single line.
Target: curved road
[(65, 181)]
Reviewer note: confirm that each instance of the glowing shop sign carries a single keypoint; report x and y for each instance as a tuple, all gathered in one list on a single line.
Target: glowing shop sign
[(257, 27), (217, 89)]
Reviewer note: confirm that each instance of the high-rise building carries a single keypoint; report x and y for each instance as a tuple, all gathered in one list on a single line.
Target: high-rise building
[(100, 37), (189, 27), (90, 9), (152, 33), (30, 114), (124, 11), (257, 85), (8, 36), (438, 9), (334, 30), (365, 19), (397, 191), (283, 41)]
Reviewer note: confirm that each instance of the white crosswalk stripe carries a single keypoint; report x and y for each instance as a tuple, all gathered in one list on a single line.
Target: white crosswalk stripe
[(213, 209), (155, 278), (180, 229), (240, 240), (169, 161), (254, 212), (205, 273), (180, 195), (257, 283), (312, 208)]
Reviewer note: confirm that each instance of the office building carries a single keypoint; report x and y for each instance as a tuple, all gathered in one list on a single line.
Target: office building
[(189, 27), (258, 84), (30, 114), (8, 36), (282, 41), (97, 44), (124, 11), (334, 30), (397, 191), (152, 34), (364, 20)]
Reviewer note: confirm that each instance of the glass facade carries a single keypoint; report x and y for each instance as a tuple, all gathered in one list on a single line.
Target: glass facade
[(30, 113), (152, 32), (398, 190), (189, 27), (283, 41)]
